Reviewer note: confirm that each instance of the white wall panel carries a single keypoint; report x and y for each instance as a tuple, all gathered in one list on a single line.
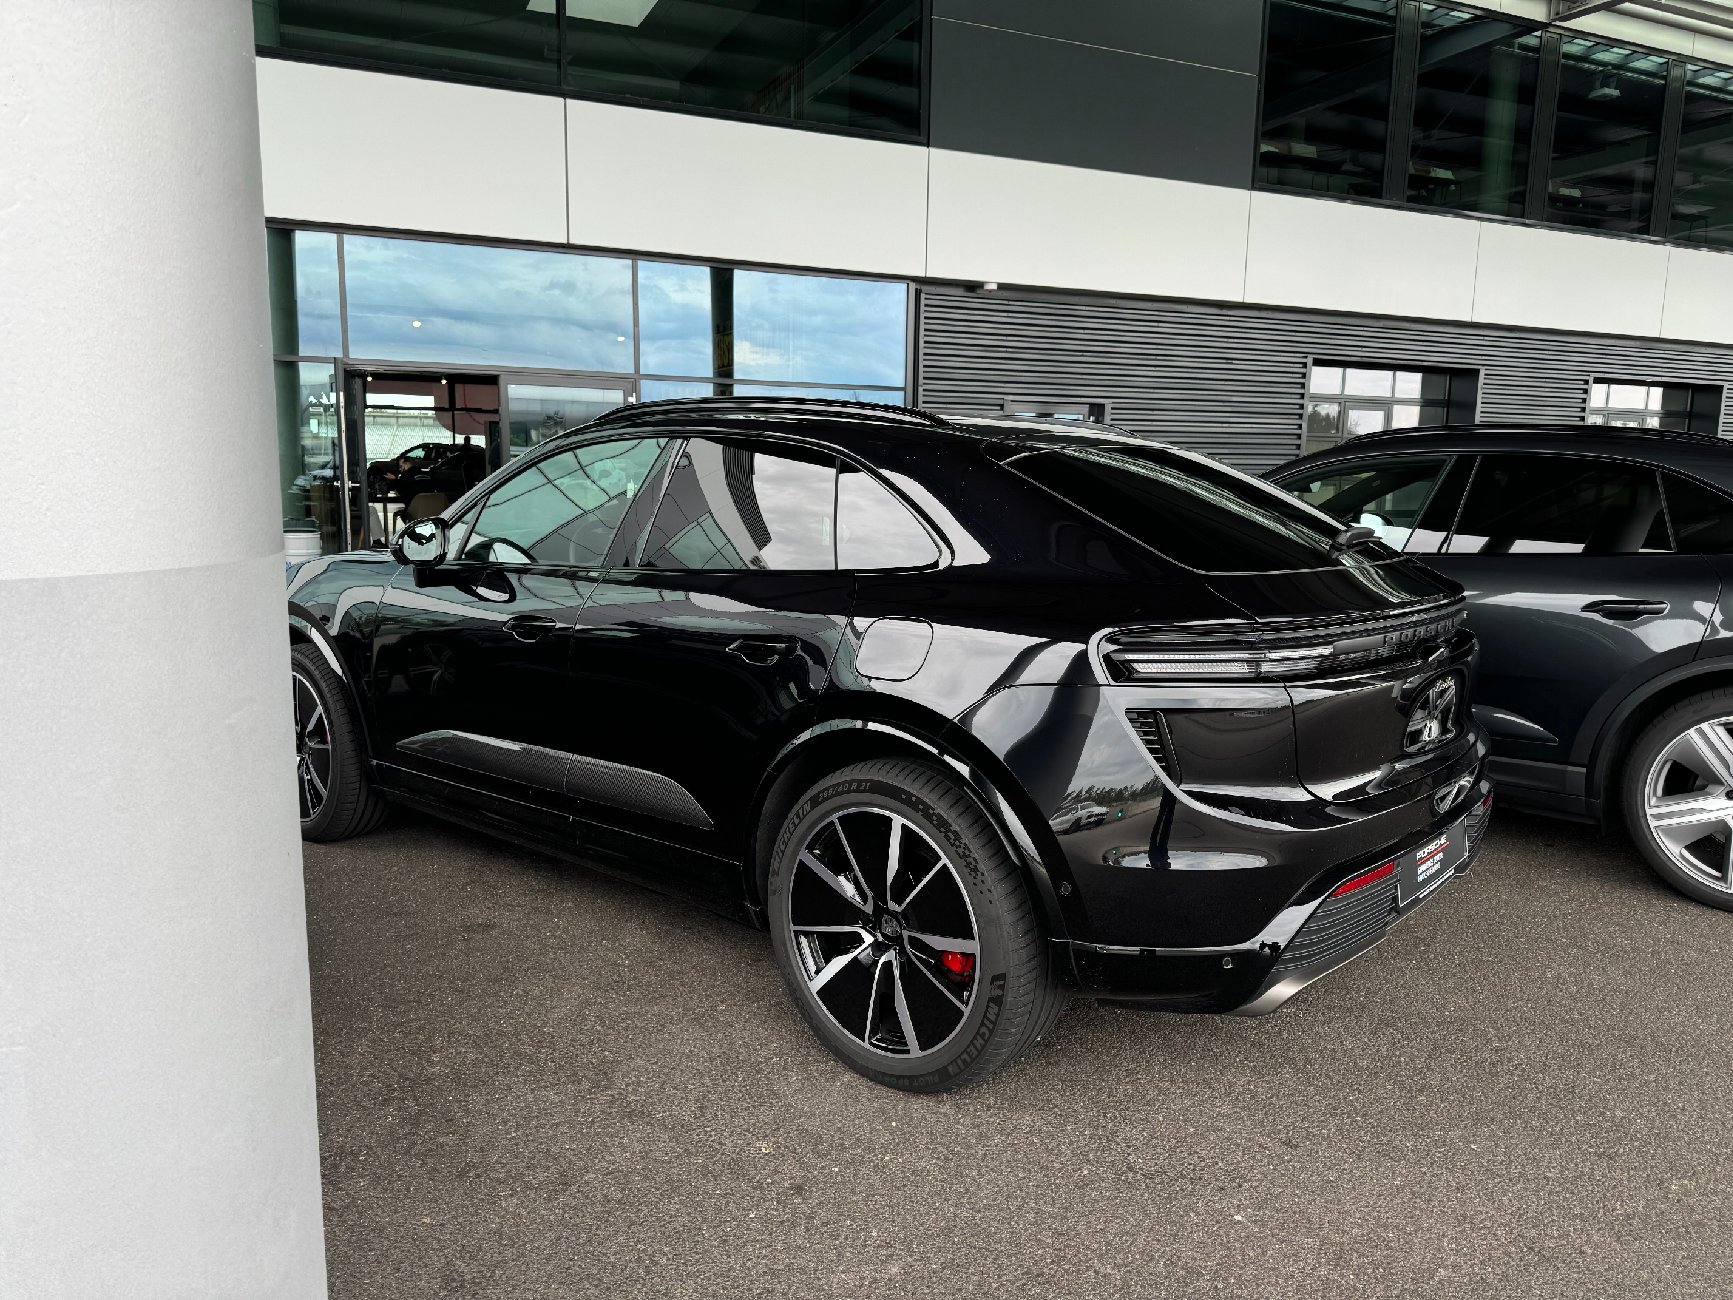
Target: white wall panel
[(1699, 303), (708, 187), (1344, 257), (1017, 222), (367, 149), (1556, 279)]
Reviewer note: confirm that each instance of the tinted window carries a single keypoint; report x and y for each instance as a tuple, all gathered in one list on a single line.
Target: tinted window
[(1561, 505), (564, 509), (1192, 510), (1386, 495), (1702, 517), (739, 504), (1473, 111), (874, 530), (1327, 95), (1607, 138)]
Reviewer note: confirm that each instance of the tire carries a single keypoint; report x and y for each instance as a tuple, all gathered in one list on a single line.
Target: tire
[(880, 965), (336, 796), (1678, 797)]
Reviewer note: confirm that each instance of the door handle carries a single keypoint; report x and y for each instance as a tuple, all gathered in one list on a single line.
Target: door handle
[(761, 650), (530, 627), (1624, 611)]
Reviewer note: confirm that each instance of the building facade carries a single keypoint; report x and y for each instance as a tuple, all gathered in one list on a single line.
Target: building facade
[(1249, 227)]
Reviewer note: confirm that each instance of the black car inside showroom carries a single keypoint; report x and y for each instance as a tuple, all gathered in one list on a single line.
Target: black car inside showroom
[(830, 647)]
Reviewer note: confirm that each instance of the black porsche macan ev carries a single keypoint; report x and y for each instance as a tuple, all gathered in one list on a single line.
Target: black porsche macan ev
[(970, 714)]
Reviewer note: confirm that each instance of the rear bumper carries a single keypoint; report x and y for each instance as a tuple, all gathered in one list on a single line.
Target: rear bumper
[(1313, 936)]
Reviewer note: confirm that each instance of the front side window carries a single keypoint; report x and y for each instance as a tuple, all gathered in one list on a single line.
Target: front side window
[(1560, 505), (1194, 511), (745, 504), (1385, 495), (563, 510)]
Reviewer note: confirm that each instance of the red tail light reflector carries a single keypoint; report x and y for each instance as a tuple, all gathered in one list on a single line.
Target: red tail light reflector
[(1371, 877)]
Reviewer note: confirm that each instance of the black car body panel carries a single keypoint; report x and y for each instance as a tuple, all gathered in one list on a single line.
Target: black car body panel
[(1578, 650), (1177, 835)]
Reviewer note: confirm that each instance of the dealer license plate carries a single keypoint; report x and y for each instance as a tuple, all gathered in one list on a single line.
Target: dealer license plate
[(1423, 869)]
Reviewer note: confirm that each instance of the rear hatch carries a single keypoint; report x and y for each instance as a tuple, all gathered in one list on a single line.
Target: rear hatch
[(1368, 645)]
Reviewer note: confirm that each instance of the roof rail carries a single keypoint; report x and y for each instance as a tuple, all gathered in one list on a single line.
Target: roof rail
[(1547, 426), (728, 405)]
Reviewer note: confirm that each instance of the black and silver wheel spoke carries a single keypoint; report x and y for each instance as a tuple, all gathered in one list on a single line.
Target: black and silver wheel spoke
[(1688, 801), (312, 748), (894, 970)]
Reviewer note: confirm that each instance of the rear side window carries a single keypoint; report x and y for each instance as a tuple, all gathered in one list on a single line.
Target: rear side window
[(1384, 495), (1560, 505), (874, 530), (1702, 517), (741, 504), (1194, 511), (563, 510)]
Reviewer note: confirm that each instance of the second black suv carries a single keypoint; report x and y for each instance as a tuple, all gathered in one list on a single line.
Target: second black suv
[(1595, 561)]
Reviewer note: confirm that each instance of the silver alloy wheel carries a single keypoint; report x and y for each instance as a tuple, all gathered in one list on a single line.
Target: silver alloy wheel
[(1688, 800), (884, 932), (312, 748)]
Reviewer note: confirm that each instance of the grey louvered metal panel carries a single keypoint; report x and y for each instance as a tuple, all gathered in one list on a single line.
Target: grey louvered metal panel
[(1230, 381)]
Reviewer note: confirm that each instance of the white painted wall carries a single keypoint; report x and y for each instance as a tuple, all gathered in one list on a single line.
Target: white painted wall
[(157, 1124), (641, 180), (406, 153), (708, 187)]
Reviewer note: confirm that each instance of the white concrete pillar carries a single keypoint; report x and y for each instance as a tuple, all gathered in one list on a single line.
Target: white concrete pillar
[(157, 1125)]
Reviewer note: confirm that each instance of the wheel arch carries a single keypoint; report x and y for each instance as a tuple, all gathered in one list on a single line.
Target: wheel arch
[(859, 734), (1622, 727), (306, 628)]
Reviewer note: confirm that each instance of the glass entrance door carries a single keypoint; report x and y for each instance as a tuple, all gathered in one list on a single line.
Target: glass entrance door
[(417, 442)]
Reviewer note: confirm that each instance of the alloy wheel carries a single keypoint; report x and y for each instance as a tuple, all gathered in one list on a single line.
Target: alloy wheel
[(312, 748), (884, 932), (1688, 800)]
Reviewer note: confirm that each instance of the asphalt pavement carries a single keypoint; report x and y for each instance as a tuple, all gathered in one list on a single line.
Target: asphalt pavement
[(535, 1080)]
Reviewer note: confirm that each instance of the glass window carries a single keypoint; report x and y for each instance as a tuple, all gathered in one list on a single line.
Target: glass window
[(1703, 179), (849, 63), (740, 504), (563, 510), (307, 450), (1607, 137), (543, 411), (1327, 95), (304, 302), (1379, 398), (762, 325), (1702, 517), (1560, 505), (819, 330), (662, 390), (873, 529), (1473, 111), (505, 40), (1192, 510), (1386, 495), (417, 300), (889, 396), (1640, 406), (853, 63)]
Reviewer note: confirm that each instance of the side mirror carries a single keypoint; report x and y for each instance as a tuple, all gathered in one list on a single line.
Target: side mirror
[(422, 543)]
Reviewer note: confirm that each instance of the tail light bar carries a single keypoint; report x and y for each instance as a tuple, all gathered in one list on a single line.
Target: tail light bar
[(1365, 878)]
